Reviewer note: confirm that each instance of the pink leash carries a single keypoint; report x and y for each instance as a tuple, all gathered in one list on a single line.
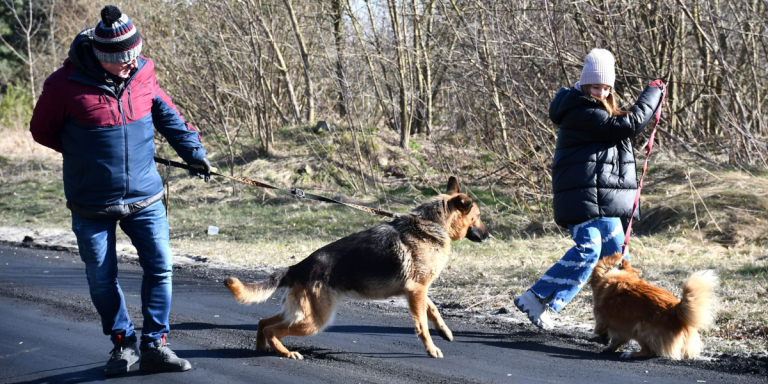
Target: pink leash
[(645, 166)]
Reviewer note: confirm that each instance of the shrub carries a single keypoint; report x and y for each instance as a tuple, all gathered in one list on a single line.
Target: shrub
[(15, 108)]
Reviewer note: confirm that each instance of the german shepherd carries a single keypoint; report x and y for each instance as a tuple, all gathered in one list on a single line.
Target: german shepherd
[(399, 258), (626, 307)]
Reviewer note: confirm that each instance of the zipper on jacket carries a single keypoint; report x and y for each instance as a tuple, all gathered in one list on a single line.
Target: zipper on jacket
[(125, 138), (106, 100), (130, 106)]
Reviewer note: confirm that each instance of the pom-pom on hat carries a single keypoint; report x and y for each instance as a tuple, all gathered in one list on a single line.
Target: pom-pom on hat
[(598, 68), (116, 39)]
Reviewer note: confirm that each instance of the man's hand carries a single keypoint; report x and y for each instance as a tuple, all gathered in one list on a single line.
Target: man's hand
[(658, 84), (205, 169)]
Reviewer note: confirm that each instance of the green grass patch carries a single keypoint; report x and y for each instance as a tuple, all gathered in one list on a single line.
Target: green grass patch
[(36, 200)]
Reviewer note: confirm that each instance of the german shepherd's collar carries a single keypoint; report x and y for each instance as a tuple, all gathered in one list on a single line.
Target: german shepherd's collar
[(399, 258)]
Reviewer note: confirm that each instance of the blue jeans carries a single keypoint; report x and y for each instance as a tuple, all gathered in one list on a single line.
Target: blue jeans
[(96, 241), (595, 239)]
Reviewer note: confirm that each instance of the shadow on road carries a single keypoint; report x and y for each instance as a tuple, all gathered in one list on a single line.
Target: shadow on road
[(372, 330), (553, 351), (222, 353), (348, 356), (85, 376), (205, 326)]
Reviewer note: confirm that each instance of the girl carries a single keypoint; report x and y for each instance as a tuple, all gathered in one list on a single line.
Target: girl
[(593, 179)]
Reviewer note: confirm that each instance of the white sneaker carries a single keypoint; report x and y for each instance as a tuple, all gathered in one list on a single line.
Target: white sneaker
[(538, 313)]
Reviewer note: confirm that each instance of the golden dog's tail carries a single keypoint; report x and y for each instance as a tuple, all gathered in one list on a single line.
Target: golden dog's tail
[(697, 306), (247, 293)]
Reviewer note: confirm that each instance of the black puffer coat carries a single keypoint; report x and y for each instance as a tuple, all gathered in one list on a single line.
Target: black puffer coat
[(593, 171)]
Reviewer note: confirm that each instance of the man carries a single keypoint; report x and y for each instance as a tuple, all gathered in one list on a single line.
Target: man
[(98, 110)]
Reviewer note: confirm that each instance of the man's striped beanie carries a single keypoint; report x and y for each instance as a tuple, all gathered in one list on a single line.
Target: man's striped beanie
[(116, 39)]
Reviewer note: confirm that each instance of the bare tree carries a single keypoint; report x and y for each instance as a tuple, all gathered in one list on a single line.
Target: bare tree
[(28, 26), (310, 115)]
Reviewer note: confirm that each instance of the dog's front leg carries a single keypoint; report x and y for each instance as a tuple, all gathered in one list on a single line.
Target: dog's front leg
[(601, 330), (437, 321), (617, 341), (644, 351), (417, 301)]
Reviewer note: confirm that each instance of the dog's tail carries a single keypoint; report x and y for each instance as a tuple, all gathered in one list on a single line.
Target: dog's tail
[(697, 307), (247, 293)]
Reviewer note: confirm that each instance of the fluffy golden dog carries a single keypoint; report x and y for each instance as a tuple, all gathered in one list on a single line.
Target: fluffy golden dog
[(628, 308)]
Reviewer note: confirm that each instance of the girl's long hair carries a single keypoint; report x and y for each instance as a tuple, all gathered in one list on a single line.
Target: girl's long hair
[(611, 103)]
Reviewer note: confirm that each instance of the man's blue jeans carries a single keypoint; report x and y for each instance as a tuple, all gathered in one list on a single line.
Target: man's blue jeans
[(148, 231)]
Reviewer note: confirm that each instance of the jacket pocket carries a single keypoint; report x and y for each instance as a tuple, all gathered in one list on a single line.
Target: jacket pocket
[(96, 110)]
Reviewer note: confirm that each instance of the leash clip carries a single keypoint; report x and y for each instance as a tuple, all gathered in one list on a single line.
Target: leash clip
[(298, 192)]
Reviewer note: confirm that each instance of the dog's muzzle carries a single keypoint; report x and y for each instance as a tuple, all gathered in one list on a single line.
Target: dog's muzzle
[(478, 235)]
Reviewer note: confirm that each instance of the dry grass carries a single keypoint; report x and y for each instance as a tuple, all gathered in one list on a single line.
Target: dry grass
[(18, 144)]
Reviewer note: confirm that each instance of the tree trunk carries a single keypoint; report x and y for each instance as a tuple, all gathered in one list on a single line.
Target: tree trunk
[(404, 121), (281, 65), (310, 92), (337, 13)]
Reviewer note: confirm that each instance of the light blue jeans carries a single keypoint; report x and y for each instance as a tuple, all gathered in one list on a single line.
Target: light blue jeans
[(595, 239), (96, 241)]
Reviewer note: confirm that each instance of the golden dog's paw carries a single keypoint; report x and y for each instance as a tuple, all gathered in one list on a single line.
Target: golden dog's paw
[(445, 333), (435, 352), (295, 356)]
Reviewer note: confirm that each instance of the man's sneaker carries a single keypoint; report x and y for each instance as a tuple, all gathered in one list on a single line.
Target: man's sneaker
[(157, 357), (538, 313), (124, 354)]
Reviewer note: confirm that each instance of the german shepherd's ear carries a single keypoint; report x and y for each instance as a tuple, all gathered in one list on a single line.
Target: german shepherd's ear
[(462, 202), (453, 187)]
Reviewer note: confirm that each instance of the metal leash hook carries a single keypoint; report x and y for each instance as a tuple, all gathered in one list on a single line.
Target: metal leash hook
[(298, 192)]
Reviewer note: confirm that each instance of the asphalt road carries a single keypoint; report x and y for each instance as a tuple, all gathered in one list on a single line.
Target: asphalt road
[(50, 333)]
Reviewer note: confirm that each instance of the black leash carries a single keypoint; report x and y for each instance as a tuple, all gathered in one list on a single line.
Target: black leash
[(293, 191)]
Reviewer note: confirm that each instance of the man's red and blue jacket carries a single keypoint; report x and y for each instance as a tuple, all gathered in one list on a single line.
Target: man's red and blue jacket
[(107, 139)]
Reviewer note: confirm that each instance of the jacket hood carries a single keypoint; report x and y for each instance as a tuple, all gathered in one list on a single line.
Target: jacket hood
[(566, 100), (82, 57)]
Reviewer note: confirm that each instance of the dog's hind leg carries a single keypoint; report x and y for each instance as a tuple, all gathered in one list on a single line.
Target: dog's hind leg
[(261, 340), (437, 321), (275, 332), (305, 312), (417, 302)]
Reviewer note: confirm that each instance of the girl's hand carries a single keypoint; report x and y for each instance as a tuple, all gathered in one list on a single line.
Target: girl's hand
[(658, 84)]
